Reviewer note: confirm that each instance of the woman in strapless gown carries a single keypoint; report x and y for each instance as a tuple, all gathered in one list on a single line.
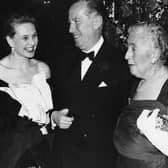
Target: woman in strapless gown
[(147, 45), (25, 94)]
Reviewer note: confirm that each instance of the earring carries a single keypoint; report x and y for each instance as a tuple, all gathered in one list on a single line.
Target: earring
[(12, 50), (154, 60)]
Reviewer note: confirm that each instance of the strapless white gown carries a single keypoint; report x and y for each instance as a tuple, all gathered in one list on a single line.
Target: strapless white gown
[(35, 99)]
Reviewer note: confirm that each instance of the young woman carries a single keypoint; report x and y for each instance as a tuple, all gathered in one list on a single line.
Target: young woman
[(24, 92)]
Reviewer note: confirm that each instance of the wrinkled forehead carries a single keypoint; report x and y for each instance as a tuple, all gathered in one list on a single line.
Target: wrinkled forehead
[(139, 34), (79, 8)]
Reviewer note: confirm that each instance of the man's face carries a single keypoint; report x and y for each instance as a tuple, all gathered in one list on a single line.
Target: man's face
[(139, 53), (82, 26)]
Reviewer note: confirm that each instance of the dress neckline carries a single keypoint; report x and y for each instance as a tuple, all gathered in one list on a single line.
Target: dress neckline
[(9, 71), (159, 97)]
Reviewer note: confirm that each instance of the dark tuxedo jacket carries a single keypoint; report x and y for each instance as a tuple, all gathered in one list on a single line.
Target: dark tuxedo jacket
[(88, 142)]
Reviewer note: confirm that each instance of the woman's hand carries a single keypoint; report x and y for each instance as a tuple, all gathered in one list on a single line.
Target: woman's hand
[(147, 120), (147, 124)]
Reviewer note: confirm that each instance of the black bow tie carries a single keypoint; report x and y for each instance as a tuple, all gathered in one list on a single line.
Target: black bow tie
[(89, 55)]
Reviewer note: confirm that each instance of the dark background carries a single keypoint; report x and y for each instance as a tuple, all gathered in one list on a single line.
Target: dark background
[(52, 19)]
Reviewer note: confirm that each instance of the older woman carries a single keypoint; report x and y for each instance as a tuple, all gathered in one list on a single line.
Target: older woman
[(146, 55), (24, 92)]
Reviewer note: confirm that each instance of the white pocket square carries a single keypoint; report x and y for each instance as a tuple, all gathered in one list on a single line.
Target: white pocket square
[(102, 84)]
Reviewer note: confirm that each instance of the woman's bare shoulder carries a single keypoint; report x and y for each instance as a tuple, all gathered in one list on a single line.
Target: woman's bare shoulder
[(42, 66), (4, 61)]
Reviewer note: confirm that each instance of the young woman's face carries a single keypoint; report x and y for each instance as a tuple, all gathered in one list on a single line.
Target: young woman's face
[(25, 40)]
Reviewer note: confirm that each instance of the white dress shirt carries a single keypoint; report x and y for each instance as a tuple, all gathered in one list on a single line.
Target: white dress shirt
[(85, 64)]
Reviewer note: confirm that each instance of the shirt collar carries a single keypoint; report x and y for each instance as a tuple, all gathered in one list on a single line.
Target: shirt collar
[(97, 46)]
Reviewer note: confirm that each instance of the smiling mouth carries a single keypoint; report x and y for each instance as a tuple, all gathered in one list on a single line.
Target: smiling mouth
[(76, 36), (131, 64), (76, 39), (31, 50)]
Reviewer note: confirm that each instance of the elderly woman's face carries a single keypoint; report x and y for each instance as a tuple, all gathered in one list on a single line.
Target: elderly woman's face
[(139, 53), (25, 40)]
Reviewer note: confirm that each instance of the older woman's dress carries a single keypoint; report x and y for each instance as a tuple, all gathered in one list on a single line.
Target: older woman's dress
[(24, 117), (135, 151)]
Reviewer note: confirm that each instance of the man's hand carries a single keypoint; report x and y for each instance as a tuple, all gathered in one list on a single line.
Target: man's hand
[(61, 119)]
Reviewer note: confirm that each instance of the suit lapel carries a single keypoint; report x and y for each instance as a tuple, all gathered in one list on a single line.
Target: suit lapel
[(75, 77)]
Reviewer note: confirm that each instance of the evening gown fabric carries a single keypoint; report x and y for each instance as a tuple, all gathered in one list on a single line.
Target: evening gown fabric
[(135, 151), (24, 117)]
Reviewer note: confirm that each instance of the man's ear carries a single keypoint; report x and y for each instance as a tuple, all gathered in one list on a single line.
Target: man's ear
[(97, 21), (10, 41)]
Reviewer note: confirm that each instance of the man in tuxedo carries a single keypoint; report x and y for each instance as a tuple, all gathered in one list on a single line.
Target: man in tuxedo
[(94, 88)]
